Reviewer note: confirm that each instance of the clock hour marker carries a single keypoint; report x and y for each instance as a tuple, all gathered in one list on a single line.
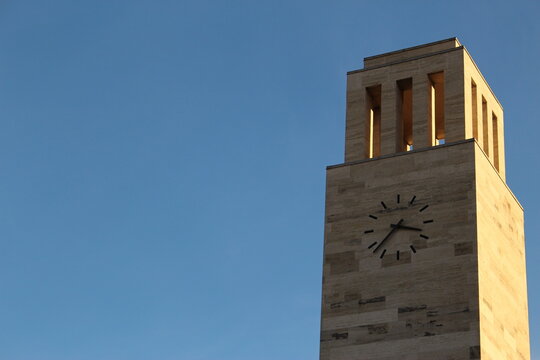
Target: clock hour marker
[(372, 245), (368, 231), (398, 198), (424, 236), (428, 221), (424, 208), (382, 254), (383, 205), (412, 200), (373, 217), (397, 255), (413, 249)]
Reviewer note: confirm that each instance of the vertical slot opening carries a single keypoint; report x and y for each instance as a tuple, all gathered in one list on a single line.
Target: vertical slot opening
[(373, 141), (436, 110), (474, 106), (495, 124), (404, 115), (485, 126)]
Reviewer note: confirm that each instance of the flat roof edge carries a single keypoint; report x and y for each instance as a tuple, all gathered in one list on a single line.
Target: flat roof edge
[(461, 47), (413, 48)]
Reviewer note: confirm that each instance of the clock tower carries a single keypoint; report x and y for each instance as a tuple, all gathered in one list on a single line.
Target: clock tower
[(424, 248)]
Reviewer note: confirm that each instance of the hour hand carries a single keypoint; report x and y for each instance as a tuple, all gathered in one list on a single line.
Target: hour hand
[(399, 226)]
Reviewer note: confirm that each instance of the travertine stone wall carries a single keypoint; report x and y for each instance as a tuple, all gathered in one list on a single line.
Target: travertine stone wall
[(462, 295), (425, 305), (453, 284), (504, 330)]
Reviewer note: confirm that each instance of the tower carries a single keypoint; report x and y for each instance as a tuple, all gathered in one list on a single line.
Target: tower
[(424, 253)]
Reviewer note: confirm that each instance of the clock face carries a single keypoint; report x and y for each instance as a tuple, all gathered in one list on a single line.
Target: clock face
[(397, 226)]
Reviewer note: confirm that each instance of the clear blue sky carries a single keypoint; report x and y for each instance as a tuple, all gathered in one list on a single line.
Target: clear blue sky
[(163, 165)]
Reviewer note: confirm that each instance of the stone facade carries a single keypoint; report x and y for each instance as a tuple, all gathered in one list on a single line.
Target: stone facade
[(424, 249)]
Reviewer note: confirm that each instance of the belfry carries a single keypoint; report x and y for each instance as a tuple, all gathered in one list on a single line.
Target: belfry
[(424, 246)]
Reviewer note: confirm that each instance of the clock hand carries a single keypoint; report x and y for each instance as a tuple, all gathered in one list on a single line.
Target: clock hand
[(388, 235), (405, 227)]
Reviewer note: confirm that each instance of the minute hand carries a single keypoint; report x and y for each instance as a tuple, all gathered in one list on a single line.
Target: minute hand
[(398, 226), (388, 235)]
